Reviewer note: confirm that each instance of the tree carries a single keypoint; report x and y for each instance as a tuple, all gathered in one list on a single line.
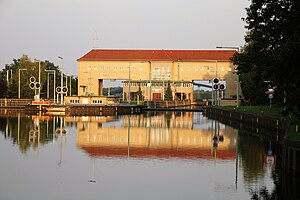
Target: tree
[(31, 69), (271, 51), (168, 93)]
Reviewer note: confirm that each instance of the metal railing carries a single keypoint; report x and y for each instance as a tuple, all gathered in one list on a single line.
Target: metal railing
[(14, 102)]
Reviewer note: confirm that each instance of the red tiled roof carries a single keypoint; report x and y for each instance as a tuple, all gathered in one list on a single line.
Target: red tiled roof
[(157, 55)]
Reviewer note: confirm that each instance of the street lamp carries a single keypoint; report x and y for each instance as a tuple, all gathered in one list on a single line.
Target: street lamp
[(237, 75), (19, 91), (61, 78), (129, 83), (54, 81), (39, 81)]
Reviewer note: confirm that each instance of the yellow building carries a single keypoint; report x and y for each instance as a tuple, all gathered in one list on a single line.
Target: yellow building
[(150, 71)]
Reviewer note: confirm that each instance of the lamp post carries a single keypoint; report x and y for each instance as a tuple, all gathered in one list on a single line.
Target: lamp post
[(39, 81), (237, 75), (19, 91), (129, 83), (61, 78), (54, 81)]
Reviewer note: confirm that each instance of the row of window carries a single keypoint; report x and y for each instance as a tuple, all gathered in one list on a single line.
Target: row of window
[(97, 101), (158, 69), (94, 101), (74, 101), (115, 68), (187, 85)]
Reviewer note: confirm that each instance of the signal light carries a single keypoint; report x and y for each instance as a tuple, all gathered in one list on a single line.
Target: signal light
[(37, 85), (215, 80), (58, 89), (222, 87), (64, 89), (216, 87), (32, 85), (32, 79)]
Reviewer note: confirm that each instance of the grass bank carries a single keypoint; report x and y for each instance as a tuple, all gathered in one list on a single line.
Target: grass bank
[(294, 129)]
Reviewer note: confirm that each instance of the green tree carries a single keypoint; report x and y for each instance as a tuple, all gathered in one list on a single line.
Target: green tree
[(31, 68), (168, 93), (271, 51)]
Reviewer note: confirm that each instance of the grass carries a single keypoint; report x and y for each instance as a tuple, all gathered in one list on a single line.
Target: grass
[(293, 132), (261, 109)]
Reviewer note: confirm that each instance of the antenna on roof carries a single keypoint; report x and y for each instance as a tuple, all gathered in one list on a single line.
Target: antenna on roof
[(95, 39)]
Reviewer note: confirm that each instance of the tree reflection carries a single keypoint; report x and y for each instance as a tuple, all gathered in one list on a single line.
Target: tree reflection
[(18, 130), (251, 152)]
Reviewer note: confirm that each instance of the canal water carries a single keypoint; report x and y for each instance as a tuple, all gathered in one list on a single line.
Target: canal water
[(168, 155)]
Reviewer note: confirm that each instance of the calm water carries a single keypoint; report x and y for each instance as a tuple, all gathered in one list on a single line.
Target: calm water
[(150, 156)]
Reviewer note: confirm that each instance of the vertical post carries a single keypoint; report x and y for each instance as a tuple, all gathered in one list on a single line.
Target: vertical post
[(54, 82), (108, 90), (47, 85), (61, 79), (70, 85), (19, 86), (39, 94), (237, 90), (129, 84), (163, 92)]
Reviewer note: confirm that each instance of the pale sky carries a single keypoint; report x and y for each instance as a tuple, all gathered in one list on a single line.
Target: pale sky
[(46, 29)]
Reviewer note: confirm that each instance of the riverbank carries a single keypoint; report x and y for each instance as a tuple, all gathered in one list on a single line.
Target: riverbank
[(271, 126)]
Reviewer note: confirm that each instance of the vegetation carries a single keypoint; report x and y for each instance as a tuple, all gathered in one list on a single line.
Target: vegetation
[(271, 54), (9, 82), (168, 93)]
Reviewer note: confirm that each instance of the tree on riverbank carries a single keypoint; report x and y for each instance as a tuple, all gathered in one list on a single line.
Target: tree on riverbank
[(271, 52), (10, 78)]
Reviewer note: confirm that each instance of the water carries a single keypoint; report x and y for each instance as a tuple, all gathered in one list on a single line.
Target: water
[(150, 156)]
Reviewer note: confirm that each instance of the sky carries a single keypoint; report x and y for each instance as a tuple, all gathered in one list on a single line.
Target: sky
[(46, 29)]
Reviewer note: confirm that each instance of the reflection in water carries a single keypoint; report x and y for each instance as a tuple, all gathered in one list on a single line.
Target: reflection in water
[(236, 164), (156, 136)]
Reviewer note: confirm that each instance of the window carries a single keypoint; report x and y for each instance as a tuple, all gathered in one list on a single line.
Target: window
[(108, 67), (121, 68), (89, 80), (102, 67), (141, 68), (195, 69), (115, 68), (89, 68), (97, 101), (95, 67), (74, 101)]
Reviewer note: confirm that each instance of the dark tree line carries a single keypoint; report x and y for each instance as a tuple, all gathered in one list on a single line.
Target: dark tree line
[(9, 78), (271, 53)]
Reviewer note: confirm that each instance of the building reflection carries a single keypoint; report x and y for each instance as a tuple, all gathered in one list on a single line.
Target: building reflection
[(161, 135)]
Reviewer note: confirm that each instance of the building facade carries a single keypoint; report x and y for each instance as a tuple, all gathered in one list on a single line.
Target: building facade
[(150, 71)]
